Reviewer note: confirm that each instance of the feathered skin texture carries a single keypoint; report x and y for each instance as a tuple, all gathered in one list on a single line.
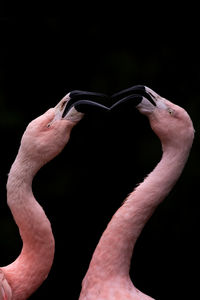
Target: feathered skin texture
[(44, 138), (108, 273)]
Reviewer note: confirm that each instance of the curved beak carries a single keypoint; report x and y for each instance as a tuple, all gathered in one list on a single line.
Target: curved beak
[(85, 102), (135, 94), (76, 103)]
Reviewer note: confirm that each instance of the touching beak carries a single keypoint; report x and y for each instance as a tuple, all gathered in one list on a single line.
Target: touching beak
[(85, 102), (139, 96), (135, 91), (77, 103)]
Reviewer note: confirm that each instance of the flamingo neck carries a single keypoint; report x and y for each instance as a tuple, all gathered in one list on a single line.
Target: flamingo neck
[(33, 264), (113, 254)]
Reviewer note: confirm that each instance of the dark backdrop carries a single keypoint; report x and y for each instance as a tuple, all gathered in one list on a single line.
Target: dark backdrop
[(47, 51)]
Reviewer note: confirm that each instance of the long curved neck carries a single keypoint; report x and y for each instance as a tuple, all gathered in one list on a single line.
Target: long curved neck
[(32, 266), (113, 253)]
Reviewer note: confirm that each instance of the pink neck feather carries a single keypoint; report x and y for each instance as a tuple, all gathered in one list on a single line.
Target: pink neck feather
[(113, 253), (32, 266)]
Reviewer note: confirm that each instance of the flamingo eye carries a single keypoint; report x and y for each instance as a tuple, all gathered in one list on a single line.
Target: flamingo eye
[(170, 111)]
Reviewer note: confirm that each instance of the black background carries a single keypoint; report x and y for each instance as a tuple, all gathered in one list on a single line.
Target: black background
[(47, 51)]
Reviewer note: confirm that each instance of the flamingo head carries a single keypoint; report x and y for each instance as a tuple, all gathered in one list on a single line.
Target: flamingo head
[(170, 122), (46, 136)]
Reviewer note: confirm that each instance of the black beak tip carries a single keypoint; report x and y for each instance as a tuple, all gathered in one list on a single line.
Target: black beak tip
[(127, 102), (86, 102), (87, 106), (136, 89), (79, 95)]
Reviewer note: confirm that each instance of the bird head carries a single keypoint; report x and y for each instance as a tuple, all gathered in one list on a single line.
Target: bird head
[(46, 136), (170, 122)]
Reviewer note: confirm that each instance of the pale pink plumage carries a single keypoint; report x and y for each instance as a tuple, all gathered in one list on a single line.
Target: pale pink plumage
[(108, 275), (41, 142)]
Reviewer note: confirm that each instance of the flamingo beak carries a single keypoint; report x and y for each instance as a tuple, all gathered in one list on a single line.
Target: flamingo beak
[(142, 97), (75, 104), (138, 96), (134, 95), (85, 102)]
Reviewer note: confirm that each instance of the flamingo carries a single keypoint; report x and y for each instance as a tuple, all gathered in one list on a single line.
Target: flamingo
[(108, 273), (44, 138)]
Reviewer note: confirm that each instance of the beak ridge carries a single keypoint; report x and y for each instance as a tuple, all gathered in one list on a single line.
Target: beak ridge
[(85, 102), (134, 99), (134, 90)]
